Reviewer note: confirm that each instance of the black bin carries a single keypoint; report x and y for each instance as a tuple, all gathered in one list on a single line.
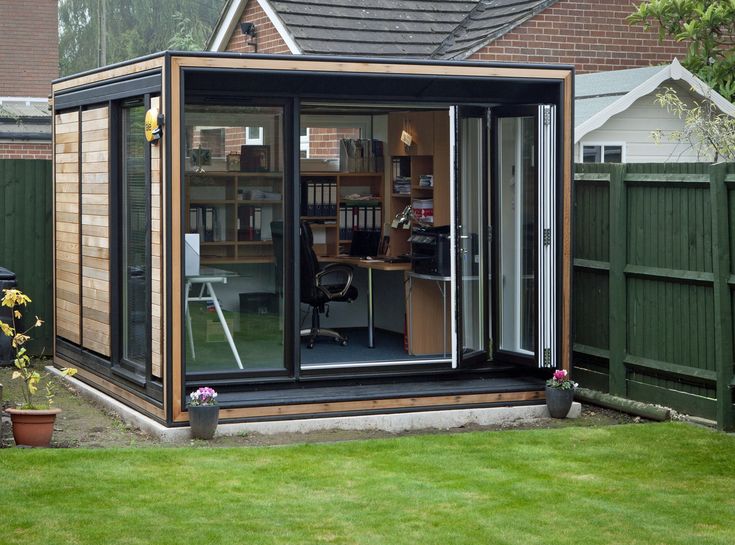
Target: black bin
[(7, 281), (258, 303)]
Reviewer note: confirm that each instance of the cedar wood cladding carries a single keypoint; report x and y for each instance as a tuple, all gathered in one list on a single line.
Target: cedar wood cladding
[(89, 292), (95, 234), (67, 226), (96, 231)]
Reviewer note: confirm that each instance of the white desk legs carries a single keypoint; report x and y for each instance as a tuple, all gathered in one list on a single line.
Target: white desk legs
[(188, 320), (224, 324), (371, 316), (211, 296)]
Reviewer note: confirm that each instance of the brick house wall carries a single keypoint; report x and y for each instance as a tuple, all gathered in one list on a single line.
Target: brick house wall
[(266, 36), (29, 60), (324, 143), (593, 35), (25, 150), (29, 42)]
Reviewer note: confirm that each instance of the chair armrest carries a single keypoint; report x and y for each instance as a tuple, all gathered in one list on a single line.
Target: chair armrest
[(344, 271)]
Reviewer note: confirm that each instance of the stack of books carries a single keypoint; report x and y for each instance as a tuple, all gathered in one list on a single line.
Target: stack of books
[(402, 185), (426, 180)]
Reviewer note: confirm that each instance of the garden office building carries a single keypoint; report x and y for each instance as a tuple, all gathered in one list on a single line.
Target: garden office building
[(313, 236)]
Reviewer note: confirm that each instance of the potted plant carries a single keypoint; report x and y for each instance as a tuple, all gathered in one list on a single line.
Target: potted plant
[(33, 423), (203, 413), (559, 394)]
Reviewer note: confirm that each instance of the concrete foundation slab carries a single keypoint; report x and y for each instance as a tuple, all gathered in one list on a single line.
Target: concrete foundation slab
[(393, 423)]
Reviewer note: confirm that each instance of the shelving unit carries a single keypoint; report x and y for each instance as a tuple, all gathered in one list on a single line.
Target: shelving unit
[(221, 192), (428, 154), (327, 241)]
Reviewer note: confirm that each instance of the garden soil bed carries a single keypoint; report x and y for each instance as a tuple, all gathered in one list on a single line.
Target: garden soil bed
[(85, 424)]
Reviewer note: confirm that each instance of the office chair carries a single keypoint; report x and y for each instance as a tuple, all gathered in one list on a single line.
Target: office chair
[(321, 286)]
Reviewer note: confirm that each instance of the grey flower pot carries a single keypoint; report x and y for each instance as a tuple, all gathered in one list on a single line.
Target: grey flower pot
[(559, 401), (203, 421)]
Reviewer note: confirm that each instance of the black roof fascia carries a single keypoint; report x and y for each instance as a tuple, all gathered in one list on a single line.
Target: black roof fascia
[(318, 85), (132, 85)]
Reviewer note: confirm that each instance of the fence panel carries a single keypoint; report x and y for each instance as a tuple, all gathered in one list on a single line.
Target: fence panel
[(668, 316), (26, 239), (591, 270)]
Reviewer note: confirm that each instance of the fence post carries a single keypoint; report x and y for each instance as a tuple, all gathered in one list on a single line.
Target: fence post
[(618, 257), (722, 295)]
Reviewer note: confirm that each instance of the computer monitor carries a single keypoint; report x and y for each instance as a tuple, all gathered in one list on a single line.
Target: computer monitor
[(365, 242), (191, 254)]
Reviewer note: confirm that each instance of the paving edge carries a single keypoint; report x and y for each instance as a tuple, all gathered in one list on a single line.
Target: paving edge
[(393, 423)]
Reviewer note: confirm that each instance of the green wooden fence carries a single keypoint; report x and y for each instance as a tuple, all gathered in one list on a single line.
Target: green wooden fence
[(26, 238), (654, 279)]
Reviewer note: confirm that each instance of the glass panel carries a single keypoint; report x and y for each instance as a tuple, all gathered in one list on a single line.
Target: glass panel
[(135, 243), (592, 154), (320, 141), (518, 253), (613, 154), (471, 258), (233, 187)]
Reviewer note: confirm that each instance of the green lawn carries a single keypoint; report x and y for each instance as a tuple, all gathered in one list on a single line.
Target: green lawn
[(634, 484)]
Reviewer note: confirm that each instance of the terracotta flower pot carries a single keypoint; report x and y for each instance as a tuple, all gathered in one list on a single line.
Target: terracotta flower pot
[(559, 401), (33, 428)]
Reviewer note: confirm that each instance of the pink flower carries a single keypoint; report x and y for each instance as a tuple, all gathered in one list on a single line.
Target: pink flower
[(560, 375)]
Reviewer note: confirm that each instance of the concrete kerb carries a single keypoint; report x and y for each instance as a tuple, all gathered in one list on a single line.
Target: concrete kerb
[(392, 423)]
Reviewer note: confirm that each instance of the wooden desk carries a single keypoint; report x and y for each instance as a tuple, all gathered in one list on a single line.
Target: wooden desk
[(370, 265)]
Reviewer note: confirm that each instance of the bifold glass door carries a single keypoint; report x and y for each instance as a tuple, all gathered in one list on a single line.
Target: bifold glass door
[(470, 231), (525, 176)]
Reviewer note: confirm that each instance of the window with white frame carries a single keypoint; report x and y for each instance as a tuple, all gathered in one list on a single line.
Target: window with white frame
[(603, 153), (254, 136), (304, 143)]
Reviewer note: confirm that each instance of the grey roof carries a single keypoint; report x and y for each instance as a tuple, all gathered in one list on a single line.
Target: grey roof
[(25, 120), (594, 92), (447, 29), (487, 21), (22, 109)]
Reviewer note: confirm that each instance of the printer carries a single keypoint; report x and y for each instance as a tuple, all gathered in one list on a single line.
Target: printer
[(430, 250)]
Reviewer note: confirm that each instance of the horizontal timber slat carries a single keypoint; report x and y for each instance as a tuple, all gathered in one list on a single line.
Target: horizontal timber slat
[(379, 404), (591, 350), (68, 334), (67, 296), (592, 265), (672, 368), (591, 177), (682, 179), (95, 113), (670, 274)]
